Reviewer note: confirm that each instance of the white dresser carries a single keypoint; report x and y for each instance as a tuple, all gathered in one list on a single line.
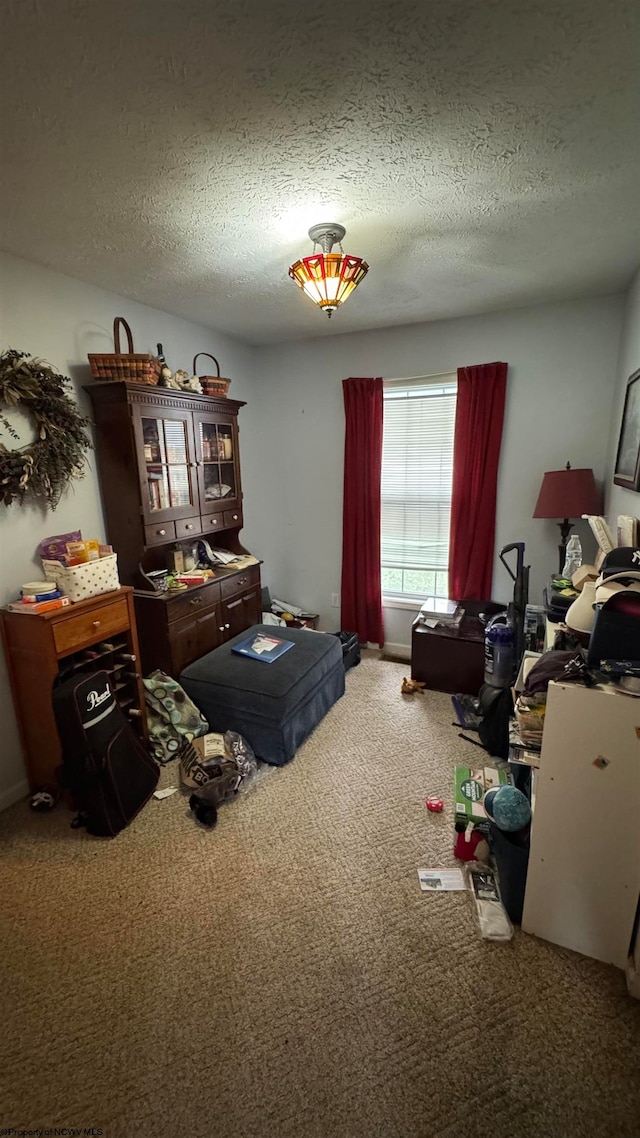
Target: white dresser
[(583, 881)]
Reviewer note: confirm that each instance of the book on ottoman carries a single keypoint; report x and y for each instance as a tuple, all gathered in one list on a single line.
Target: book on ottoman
[(260, 647)]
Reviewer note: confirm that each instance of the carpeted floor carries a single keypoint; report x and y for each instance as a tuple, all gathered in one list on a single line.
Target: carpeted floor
[(283, 976)]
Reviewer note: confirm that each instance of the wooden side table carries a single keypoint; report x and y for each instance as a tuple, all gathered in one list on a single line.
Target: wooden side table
[(92, 635), (450, 658)]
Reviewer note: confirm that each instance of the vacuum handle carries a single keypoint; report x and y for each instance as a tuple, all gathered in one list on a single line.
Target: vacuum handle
[(519, 545)]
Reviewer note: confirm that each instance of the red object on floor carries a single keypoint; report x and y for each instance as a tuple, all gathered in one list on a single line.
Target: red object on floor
[(465, 846), (434, 804)]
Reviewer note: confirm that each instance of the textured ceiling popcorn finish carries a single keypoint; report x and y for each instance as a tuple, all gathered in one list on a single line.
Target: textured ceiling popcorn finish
[(480, 155)]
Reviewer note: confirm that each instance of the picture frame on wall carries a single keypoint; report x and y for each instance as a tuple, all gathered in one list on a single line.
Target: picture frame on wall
[(627, 468)]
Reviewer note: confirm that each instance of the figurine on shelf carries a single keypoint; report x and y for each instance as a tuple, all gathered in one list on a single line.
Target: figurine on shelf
[(167, 379), (186, 382)]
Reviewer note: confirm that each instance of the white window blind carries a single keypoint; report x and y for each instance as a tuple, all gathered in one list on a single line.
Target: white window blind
[(417, 472)]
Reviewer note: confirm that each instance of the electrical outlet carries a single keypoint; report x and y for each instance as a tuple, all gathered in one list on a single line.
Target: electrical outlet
[(335, 600)]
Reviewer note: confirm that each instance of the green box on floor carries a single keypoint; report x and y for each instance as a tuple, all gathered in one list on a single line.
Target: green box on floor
[(471, 785)]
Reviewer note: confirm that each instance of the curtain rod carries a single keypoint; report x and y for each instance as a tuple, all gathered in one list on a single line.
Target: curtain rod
[(434, 375)]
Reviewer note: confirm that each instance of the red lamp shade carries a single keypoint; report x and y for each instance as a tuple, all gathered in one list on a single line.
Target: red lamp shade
[(568, 494)]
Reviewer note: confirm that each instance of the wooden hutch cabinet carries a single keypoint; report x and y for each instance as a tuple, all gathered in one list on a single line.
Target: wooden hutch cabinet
[(169, 471)]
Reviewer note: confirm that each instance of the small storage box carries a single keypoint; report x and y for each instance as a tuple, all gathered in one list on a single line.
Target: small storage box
[(79, 582)]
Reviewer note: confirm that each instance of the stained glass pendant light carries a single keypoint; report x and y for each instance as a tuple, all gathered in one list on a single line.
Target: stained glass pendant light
[(328, 278)]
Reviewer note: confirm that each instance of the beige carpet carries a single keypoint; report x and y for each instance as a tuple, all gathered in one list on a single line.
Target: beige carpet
[(284, 976)]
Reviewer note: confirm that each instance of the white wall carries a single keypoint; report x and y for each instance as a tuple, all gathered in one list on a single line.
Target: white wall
[(61, 319), (619, 500), (562, 364)]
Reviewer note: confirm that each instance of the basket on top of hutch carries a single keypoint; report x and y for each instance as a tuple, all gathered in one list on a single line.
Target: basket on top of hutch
[(169, 471)]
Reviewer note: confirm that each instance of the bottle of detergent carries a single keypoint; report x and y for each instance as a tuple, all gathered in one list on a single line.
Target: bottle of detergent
[(499, 651)]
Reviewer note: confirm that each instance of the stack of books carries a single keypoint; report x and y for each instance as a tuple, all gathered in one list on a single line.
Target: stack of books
[(520, 752), (35, 608)]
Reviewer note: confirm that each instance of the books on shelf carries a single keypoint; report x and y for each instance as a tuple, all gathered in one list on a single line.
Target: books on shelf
[(261, 647), (157, 492)]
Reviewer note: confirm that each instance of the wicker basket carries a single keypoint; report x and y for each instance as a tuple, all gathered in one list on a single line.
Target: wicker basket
[(212, 384), (136, 367)]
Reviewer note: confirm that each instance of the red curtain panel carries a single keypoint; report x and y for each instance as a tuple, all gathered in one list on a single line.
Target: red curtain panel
[(361, 595), (476, 456)]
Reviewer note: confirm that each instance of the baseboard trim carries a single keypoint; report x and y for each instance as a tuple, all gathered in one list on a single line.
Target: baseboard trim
[(399, 652), (14, 794)]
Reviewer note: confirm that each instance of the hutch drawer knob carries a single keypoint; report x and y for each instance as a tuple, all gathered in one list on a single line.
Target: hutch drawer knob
[(227, 626), (96, 623), (221, 629), (235, 517), (196, 601), (189, 526), (161, 532)]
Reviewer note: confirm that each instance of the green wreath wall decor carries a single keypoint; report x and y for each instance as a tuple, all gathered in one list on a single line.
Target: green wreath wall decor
[(45, 467)]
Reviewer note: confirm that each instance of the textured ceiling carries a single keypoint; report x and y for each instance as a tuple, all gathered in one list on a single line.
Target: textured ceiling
[(480, 155)]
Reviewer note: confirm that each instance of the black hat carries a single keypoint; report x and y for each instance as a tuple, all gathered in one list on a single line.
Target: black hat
[(623, 561)]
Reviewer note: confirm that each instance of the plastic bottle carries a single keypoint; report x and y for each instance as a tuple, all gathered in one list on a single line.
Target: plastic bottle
[(573, 556), (499, 650)]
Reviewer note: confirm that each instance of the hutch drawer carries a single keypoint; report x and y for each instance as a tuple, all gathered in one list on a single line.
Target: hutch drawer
[(160, 534), (239, 581), (188, 527), (194, 602), (212, 522)]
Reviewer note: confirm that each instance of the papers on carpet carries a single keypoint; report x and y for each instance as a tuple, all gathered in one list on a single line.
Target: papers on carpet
[(441, 880)]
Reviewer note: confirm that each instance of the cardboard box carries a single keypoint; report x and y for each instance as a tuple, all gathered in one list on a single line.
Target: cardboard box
[(582, 575), (471, 785)]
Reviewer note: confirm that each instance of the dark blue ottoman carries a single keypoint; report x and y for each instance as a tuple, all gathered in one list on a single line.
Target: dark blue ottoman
[(274, 706)]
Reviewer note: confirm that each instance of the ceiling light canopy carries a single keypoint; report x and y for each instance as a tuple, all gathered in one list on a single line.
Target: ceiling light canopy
[(328, 278)]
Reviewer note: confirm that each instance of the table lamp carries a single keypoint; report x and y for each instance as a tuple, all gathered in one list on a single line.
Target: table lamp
[(567, 494)]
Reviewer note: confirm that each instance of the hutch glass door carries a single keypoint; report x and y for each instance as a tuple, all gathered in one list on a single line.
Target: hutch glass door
[(218, 464), (166, 455)]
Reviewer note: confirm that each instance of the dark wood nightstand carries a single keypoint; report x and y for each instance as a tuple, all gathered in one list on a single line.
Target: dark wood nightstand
[(451, 657)]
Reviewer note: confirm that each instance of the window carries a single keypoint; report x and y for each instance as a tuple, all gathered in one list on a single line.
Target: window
[(417, 473)]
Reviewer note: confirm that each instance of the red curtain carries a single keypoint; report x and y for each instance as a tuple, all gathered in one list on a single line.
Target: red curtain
[(361, 593), (476, 455)]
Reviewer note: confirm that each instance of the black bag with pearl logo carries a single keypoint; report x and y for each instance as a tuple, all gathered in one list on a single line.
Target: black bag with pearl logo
[(105, 765)]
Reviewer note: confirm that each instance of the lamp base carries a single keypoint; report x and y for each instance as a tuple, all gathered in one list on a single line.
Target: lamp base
[(565, 529)]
